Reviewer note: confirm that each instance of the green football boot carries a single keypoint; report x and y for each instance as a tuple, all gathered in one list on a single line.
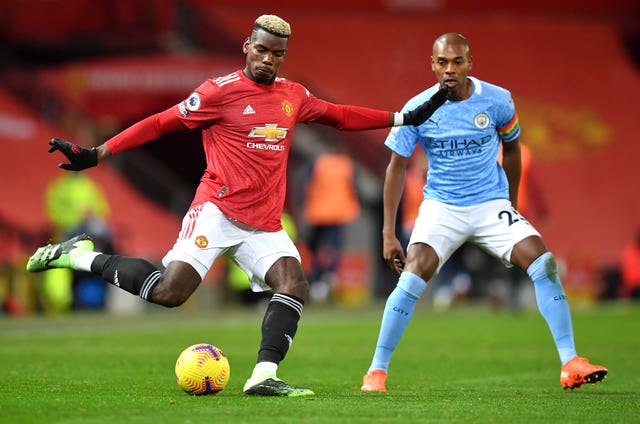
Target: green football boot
[(276, 387), (60, 255)]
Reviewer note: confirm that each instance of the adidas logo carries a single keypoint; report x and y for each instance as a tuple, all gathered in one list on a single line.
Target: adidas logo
[(248, 110)]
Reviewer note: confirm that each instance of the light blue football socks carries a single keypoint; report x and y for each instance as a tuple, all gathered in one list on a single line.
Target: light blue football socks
[(553, 304), (550, 297), (397, 314)]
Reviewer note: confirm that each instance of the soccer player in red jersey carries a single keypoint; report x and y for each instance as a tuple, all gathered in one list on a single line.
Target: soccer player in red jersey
[(247, 119)]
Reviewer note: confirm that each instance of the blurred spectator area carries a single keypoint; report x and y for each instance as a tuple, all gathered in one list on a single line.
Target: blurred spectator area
[(85, 27), (89, 68)]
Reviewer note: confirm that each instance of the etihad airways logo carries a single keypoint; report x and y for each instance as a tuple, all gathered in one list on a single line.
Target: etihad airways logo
[(271, 133)]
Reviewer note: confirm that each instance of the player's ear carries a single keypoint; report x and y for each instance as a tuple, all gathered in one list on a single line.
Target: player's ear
[(245, 46)]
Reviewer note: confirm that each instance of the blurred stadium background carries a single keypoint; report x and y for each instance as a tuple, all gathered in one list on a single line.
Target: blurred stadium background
[(83, 70)]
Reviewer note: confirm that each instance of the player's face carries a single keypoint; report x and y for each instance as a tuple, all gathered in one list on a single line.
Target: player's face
[(451, 63), (265, 53)]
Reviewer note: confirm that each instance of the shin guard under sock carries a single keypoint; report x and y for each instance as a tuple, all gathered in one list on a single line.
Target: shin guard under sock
[(279, 326), (397, 314), (553, 304), (137, 276)]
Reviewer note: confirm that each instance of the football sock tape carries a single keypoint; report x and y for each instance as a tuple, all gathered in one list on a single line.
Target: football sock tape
[(279, 327)]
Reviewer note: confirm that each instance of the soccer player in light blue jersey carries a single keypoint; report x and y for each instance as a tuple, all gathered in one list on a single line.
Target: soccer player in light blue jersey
[(468, 197)]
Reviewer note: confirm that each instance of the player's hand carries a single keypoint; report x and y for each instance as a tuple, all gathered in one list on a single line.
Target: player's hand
[(393, 254), (79, 157), (423, 112)]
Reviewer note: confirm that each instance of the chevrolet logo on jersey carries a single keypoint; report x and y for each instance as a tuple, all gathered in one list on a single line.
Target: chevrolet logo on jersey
[(270, 132)]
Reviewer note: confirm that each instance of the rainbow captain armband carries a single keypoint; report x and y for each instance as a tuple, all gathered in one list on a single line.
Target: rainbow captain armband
[(511, 131)]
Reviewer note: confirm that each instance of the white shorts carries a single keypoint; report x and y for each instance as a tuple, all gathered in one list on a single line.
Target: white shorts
[(494, 226), (207, 233)]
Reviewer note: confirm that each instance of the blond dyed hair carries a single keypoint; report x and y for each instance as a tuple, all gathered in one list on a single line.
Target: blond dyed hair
[(274, 25)]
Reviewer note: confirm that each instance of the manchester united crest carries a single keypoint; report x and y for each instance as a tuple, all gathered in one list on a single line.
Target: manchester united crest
[(287, 108), (202, 242)]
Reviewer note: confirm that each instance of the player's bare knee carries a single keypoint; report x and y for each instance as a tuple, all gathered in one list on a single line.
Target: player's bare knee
[(169, 300), (298, 287), (422, 260), (177, 283), (165, 294), (287, 276), (424, 270)]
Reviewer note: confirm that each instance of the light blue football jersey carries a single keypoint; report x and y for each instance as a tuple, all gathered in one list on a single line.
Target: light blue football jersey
[(462, 142)]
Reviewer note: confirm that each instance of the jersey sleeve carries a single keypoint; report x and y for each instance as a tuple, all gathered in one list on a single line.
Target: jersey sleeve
[(403, 140), (507, 122), (145, 130), (343, 117), (202, 107)]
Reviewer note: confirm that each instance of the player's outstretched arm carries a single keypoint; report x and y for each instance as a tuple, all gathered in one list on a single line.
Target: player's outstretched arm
[(348, 117), (79, 157), (139, 133), (423, 112)]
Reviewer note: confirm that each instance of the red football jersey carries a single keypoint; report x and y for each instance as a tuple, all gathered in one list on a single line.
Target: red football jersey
[(246, 131)]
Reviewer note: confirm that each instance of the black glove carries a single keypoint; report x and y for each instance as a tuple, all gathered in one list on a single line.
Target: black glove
[(79, 157), (420, 114)]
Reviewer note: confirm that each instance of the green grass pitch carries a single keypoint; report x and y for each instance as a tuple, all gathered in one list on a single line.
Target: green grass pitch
[(468, 365)]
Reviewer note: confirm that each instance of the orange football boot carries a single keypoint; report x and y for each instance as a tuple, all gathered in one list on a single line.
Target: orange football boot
[(579, 371), (373, 381)]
